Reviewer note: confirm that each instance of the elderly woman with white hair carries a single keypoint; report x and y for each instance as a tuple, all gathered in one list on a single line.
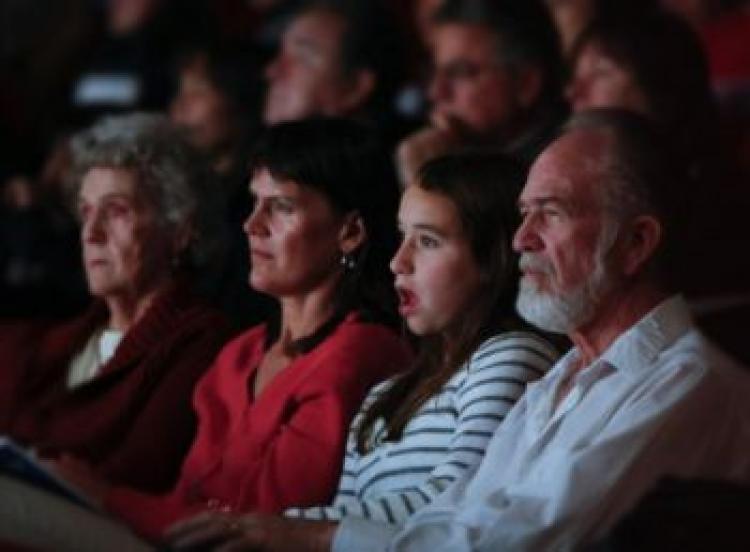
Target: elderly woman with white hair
[(113, 387)]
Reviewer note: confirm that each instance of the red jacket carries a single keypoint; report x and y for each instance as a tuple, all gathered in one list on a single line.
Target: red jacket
[(281, 450), (134, 421)]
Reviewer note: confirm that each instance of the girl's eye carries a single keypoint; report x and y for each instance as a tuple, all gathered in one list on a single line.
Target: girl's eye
[(283, 206), (428, 242)]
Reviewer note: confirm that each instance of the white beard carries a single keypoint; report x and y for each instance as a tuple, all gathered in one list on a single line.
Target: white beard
[(563, 313)]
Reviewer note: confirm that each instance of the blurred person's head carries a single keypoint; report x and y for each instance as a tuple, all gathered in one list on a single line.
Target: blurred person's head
[(336, 58), (598, 215), (496, 65), (126, 16), (218, 101), (571, 17), (424, 12), (652, 63), (18, 193), (698, 11), (143, 211), (323, 214)]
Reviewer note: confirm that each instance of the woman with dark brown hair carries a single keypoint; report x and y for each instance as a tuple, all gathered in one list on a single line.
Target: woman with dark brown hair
[(456, 277)]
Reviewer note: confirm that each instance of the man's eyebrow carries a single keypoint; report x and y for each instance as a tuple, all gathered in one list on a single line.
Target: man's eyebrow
[(544, 201), (306, 44)]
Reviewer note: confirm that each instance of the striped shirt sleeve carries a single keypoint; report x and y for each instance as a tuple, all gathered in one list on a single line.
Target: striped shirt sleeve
[(482, 393)]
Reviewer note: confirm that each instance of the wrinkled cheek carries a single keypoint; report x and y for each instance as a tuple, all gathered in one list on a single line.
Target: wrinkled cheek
[(130, 266), (295, 103)]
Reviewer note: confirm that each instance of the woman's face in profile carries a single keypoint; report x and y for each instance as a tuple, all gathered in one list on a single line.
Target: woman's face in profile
[(127, 251), (295, 237), (202, 109), (599, 81)]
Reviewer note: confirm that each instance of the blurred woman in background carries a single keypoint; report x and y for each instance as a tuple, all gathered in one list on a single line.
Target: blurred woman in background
[(218, 105), (113, 386)]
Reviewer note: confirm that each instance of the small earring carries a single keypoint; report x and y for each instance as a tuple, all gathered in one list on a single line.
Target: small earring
[(348, 261)]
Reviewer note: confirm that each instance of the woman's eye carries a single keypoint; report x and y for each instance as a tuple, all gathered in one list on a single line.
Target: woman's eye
[(282, 206), (84, 212), (117, 210)]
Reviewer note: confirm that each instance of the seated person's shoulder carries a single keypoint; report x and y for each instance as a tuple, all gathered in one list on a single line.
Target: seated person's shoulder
[(695, 355), (523, 349), (360, 350), (245, 344), (356, 335)]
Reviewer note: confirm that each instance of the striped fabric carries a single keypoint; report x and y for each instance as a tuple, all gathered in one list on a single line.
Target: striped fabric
[(446, 437)]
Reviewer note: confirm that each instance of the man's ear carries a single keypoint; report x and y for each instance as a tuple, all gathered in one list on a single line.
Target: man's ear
[(359, 87), (529, 82), (353, 232), (643, 239)]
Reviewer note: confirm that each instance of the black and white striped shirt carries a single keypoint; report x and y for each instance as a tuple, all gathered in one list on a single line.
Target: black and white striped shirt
[(446, 437)]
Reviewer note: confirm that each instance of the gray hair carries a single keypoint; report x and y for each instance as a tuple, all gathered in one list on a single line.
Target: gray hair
[(640, 175), (171, 173)]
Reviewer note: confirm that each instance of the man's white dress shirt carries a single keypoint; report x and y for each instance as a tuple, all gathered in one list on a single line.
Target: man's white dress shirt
[(661, 400)]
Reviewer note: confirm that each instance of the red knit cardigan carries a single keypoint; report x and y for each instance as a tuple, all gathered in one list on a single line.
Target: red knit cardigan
[(283, 448), (134, 421)]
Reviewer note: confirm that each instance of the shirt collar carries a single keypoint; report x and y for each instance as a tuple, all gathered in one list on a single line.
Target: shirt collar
[(636, 349)]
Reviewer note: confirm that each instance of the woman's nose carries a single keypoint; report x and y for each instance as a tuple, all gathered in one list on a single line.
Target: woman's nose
[(254, 223), (92, 228)]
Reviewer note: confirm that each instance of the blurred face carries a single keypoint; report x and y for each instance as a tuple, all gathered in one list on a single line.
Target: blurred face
[(201, 109), (436, 274), (423, 12), (471, 86), (306, 78), (570, 17), (598, 81), (126, 252), (294, 237), (562, 241), (696, 11), (124, 16)]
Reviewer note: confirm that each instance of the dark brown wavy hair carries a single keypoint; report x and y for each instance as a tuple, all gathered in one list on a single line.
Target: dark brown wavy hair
[(484, 189)]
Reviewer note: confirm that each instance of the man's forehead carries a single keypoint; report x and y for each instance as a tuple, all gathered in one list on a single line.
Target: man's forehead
[(450, 38), (572, 169), (315, 27)]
